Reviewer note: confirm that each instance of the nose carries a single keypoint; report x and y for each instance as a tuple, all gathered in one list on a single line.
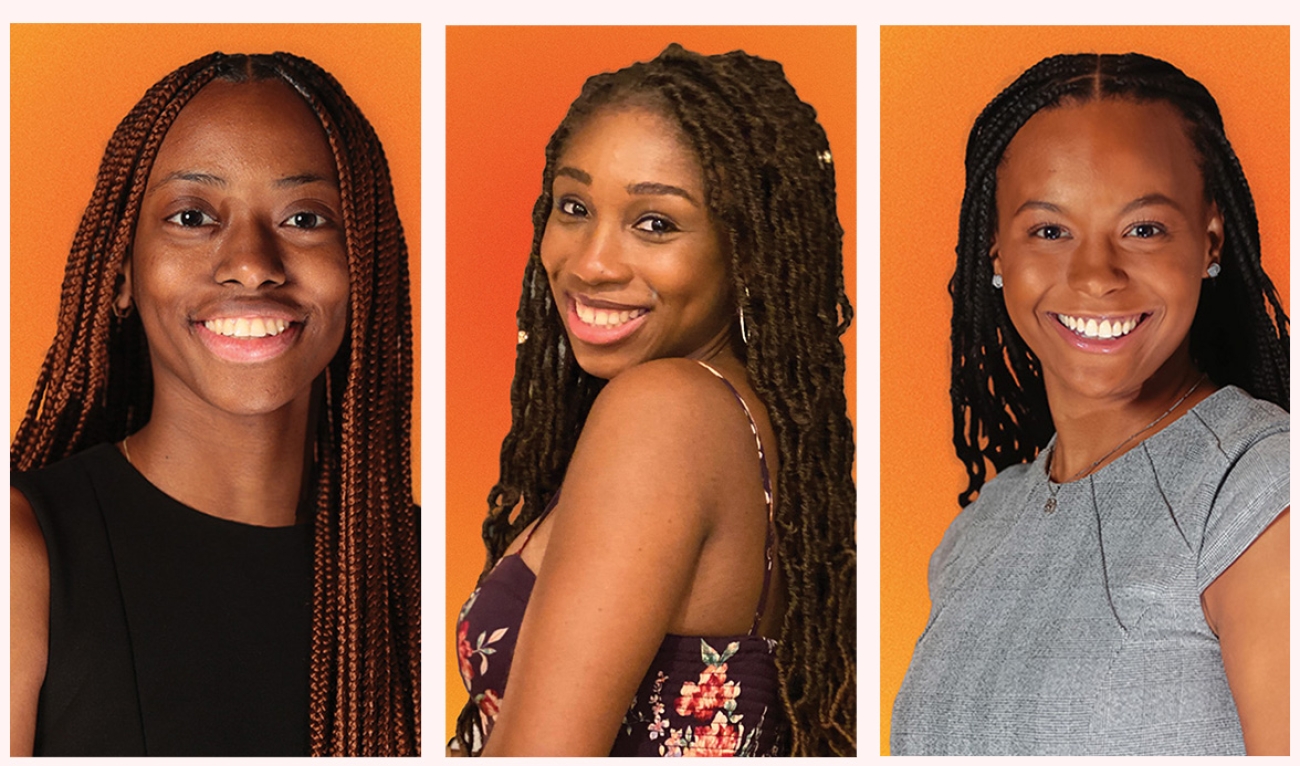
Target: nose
[(249, 255), (599, 257), (1096, 268)]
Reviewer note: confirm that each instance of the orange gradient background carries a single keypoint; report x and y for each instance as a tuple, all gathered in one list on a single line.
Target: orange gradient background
[(507, 90), (70, 84), (934, 82)]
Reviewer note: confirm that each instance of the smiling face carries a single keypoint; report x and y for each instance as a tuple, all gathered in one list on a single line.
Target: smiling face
[(1104, 235), (239, 267), (634, 258)]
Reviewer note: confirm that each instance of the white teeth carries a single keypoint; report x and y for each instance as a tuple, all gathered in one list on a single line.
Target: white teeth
[(605, 317), (243, 327), (1106, 329)]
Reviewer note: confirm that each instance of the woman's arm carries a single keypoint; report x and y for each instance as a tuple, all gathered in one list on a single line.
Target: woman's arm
[(1248, 606), (29, 621), (637, 510)]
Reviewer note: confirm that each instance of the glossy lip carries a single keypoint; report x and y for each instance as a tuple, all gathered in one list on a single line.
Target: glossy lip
[(249, 350), (1098, 345), (601, 336)]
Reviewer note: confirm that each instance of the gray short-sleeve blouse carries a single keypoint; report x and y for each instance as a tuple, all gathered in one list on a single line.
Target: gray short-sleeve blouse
[(1082, 631)]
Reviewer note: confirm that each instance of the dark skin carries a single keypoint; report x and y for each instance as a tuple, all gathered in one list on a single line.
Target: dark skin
[(1103, 217), (666, 447), (239, 273)]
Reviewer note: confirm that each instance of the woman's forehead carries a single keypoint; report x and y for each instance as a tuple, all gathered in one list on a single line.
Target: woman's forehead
[(261, 121), (1107, 142)]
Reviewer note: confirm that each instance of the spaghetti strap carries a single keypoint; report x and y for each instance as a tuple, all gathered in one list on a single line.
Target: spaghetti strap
[(545, 512), (770, 539)]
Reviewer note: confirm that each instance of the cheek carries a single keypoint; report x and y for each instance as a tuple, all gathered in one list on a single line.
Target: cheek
[(550, 249)]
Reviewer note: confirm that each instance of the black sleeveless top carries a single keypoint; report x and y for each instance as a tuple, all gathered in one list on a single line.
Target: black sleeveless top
[(172, 632)]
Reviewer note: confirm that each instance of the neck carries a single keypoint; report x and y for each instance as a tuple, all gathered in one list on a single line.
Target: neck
[(1091, 432), (245, 468)]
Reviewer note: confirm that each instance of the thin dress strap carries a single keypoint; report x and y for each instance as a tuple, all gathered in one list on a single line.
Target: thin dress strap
[(545, 511), (770, 540)]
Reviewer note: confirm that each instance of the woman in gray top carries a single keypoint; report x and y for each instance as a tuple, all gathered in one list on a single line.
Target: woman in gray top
[(1121, 360)]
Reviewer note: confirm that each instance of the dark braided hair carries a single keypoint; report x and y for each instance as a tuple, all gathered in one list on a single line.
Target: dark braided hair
[(95, 386), (1239, 334), (770, 186)]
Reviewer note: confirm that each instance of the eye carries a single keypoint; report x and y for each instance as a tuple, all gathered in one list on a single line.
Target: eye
[(656, 224), (190, 218), (1048, 231), (1145, 230), (306, 220), (571, 207)]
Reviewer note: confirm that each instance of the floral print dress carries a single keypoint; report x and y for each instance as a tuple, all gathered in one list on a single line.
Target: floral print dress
[(702, 696)]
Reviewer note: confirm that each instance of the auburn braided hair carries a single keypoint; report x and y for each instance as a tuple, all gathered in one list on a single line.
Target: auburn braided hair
[(770, 186), (1239, 334), (95, 386)]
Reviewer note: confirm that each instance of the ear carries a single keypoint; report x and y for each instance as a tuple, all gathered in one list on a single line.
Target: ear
[(1213, 236), (993, 254), (123, 300)]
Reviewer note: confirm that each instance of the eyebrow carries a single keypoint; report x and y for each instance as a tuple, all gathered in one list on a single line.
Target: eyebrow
[(302, 179), (1141, 202), (641, 188), (574, 173), (208, 179), (1038, 204), (650, 187), (1151, 199), (194, 176)]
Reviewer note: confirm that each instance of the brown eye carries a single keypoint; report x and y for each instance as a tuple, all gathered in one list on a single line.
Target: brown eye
[(306, 220), (1049, 232), (1145, 230), (191, 218), (656, 224), (572, 207)]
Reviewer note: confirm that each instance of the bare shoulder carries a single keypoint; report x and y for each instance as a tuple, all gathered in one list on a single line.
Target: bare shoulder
[(678, 396), (29, 618), (26, 543)]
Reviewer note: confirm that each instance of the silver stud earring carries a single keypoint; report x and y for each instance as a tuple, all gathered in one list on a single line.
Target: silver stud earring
[(997, 281), (1214, 269)]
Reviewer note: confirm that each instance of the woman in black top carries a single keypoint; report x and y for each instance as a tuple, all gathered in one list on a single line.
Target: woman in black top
[(235, 321)]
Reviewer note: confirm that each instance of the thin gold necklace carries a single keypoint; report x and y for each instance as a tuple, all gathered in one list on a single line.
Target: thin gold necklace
[(1055, 487), (126, 451)]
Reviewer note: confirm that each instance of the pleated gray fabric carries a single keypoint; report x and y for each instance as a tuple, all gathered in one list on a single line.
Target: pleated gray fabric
[(1081, 632)]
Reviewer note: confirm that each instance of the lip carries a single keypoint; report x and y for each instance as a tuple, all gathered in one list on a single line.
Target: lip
[(248, 350), (1099, 345), (600, 336)]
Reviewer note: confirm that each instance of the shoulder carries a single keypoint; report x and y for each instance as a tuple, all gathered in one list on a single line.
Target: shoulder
[(1244, 464), (1231, 422), (670, 403), (65, 499), (670, 423), (25, 538), (665, 387), (28, 558)]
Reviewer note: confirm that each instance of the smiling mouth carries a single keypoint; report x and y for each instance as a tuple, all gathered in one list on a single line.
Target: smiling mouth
[(1107, 328), (247, 327), (605, 318)]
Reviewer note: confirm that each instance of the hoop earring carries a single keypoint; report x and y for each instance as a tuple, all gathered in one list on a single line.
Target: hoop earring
[(744, 334)]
